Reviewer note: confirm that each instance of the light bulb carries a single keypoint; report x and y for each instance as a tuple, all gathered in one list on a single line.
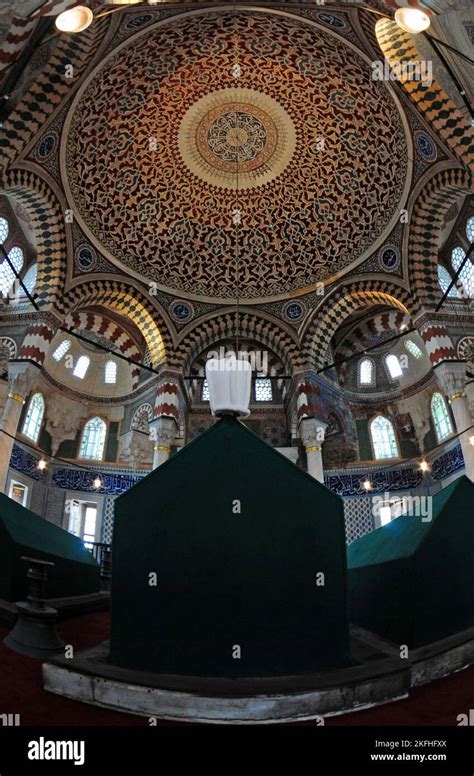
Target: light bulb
[(75, 19), (471, 440), (41, 465), (424, 466), (367, 485), (412, 20), (97, 484)]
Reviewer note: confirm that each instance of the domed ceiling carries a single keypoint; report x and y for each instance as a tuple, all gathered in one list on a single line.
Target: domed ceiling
[(216, 155)]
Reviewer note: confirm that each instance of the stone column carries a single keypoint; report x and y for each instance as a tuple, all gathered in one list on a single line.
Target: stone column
[(162, 432), (20, 379), (452, 377), (312, 432)]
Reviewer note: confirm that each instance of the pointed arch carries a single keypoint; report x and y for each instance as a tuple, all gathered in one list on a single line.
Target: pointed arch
[(342, 303), (426, 224), (252, 327), (129, 302)]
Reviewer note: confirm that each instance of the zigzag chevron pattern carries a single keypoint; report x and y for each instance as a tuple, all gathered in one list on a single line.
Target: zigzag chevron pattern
[(111, 331), (361, 336), (166, 401), (36, 343), (341, 304), (432, 100), (426, 224), (251, 327), (438, 343), (22, 28), (47, 221), (50, 87), (126, 300)]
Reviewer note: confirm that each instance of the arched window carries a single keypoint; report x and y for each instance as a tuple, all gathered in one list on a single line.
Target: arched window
[(4, 229), (383, 437), (440, 415), (81, 367), (413, 349), (30, 279), (366, 371), (61, 350), (34, 417), (110, 372), (470, 229), (444, 280), (393, 366), (263, 389), (7, 276), (93, 439), (205, 391), (466, 275)]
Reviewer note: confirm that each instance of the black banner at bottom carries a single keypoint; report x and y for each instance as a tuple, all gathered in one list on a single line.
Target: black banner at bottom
[(83, 750)]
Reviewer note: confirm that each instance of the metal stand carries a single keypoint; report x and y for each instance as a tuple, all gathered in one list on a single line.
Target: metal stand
[(35, 632)]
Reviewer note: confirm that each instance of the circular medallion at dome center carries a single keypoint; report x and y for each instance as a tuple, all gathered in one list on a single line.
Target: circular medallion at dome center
[(237, 138)]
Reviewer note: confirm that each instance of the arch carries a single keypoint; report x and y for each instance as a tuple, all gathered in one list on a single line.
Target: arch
[(127, 301), (342, 303), (426, 224), (363, 334), (47, 222), (251, 327), (100, 325)]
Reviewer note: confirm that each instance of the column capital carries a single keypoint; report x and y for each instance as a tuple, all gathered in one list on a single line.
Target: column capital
[(312, 433), (452, 378), (21, 376)]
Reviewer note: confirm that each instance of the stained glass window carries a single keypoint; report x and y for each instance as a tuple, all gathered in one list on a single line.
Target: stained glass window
[(81, 367), (34, 417), (61, 350), (440, 415), (466, 276), (393, 366), (93, 439), (383, 438), (444, 280), (263, 389), (111, 372), (366, 371), (413, 349)]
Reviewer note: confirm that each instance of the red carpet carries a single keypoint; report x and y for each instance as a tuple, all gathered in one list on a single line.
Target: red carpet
[(21, 691)]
